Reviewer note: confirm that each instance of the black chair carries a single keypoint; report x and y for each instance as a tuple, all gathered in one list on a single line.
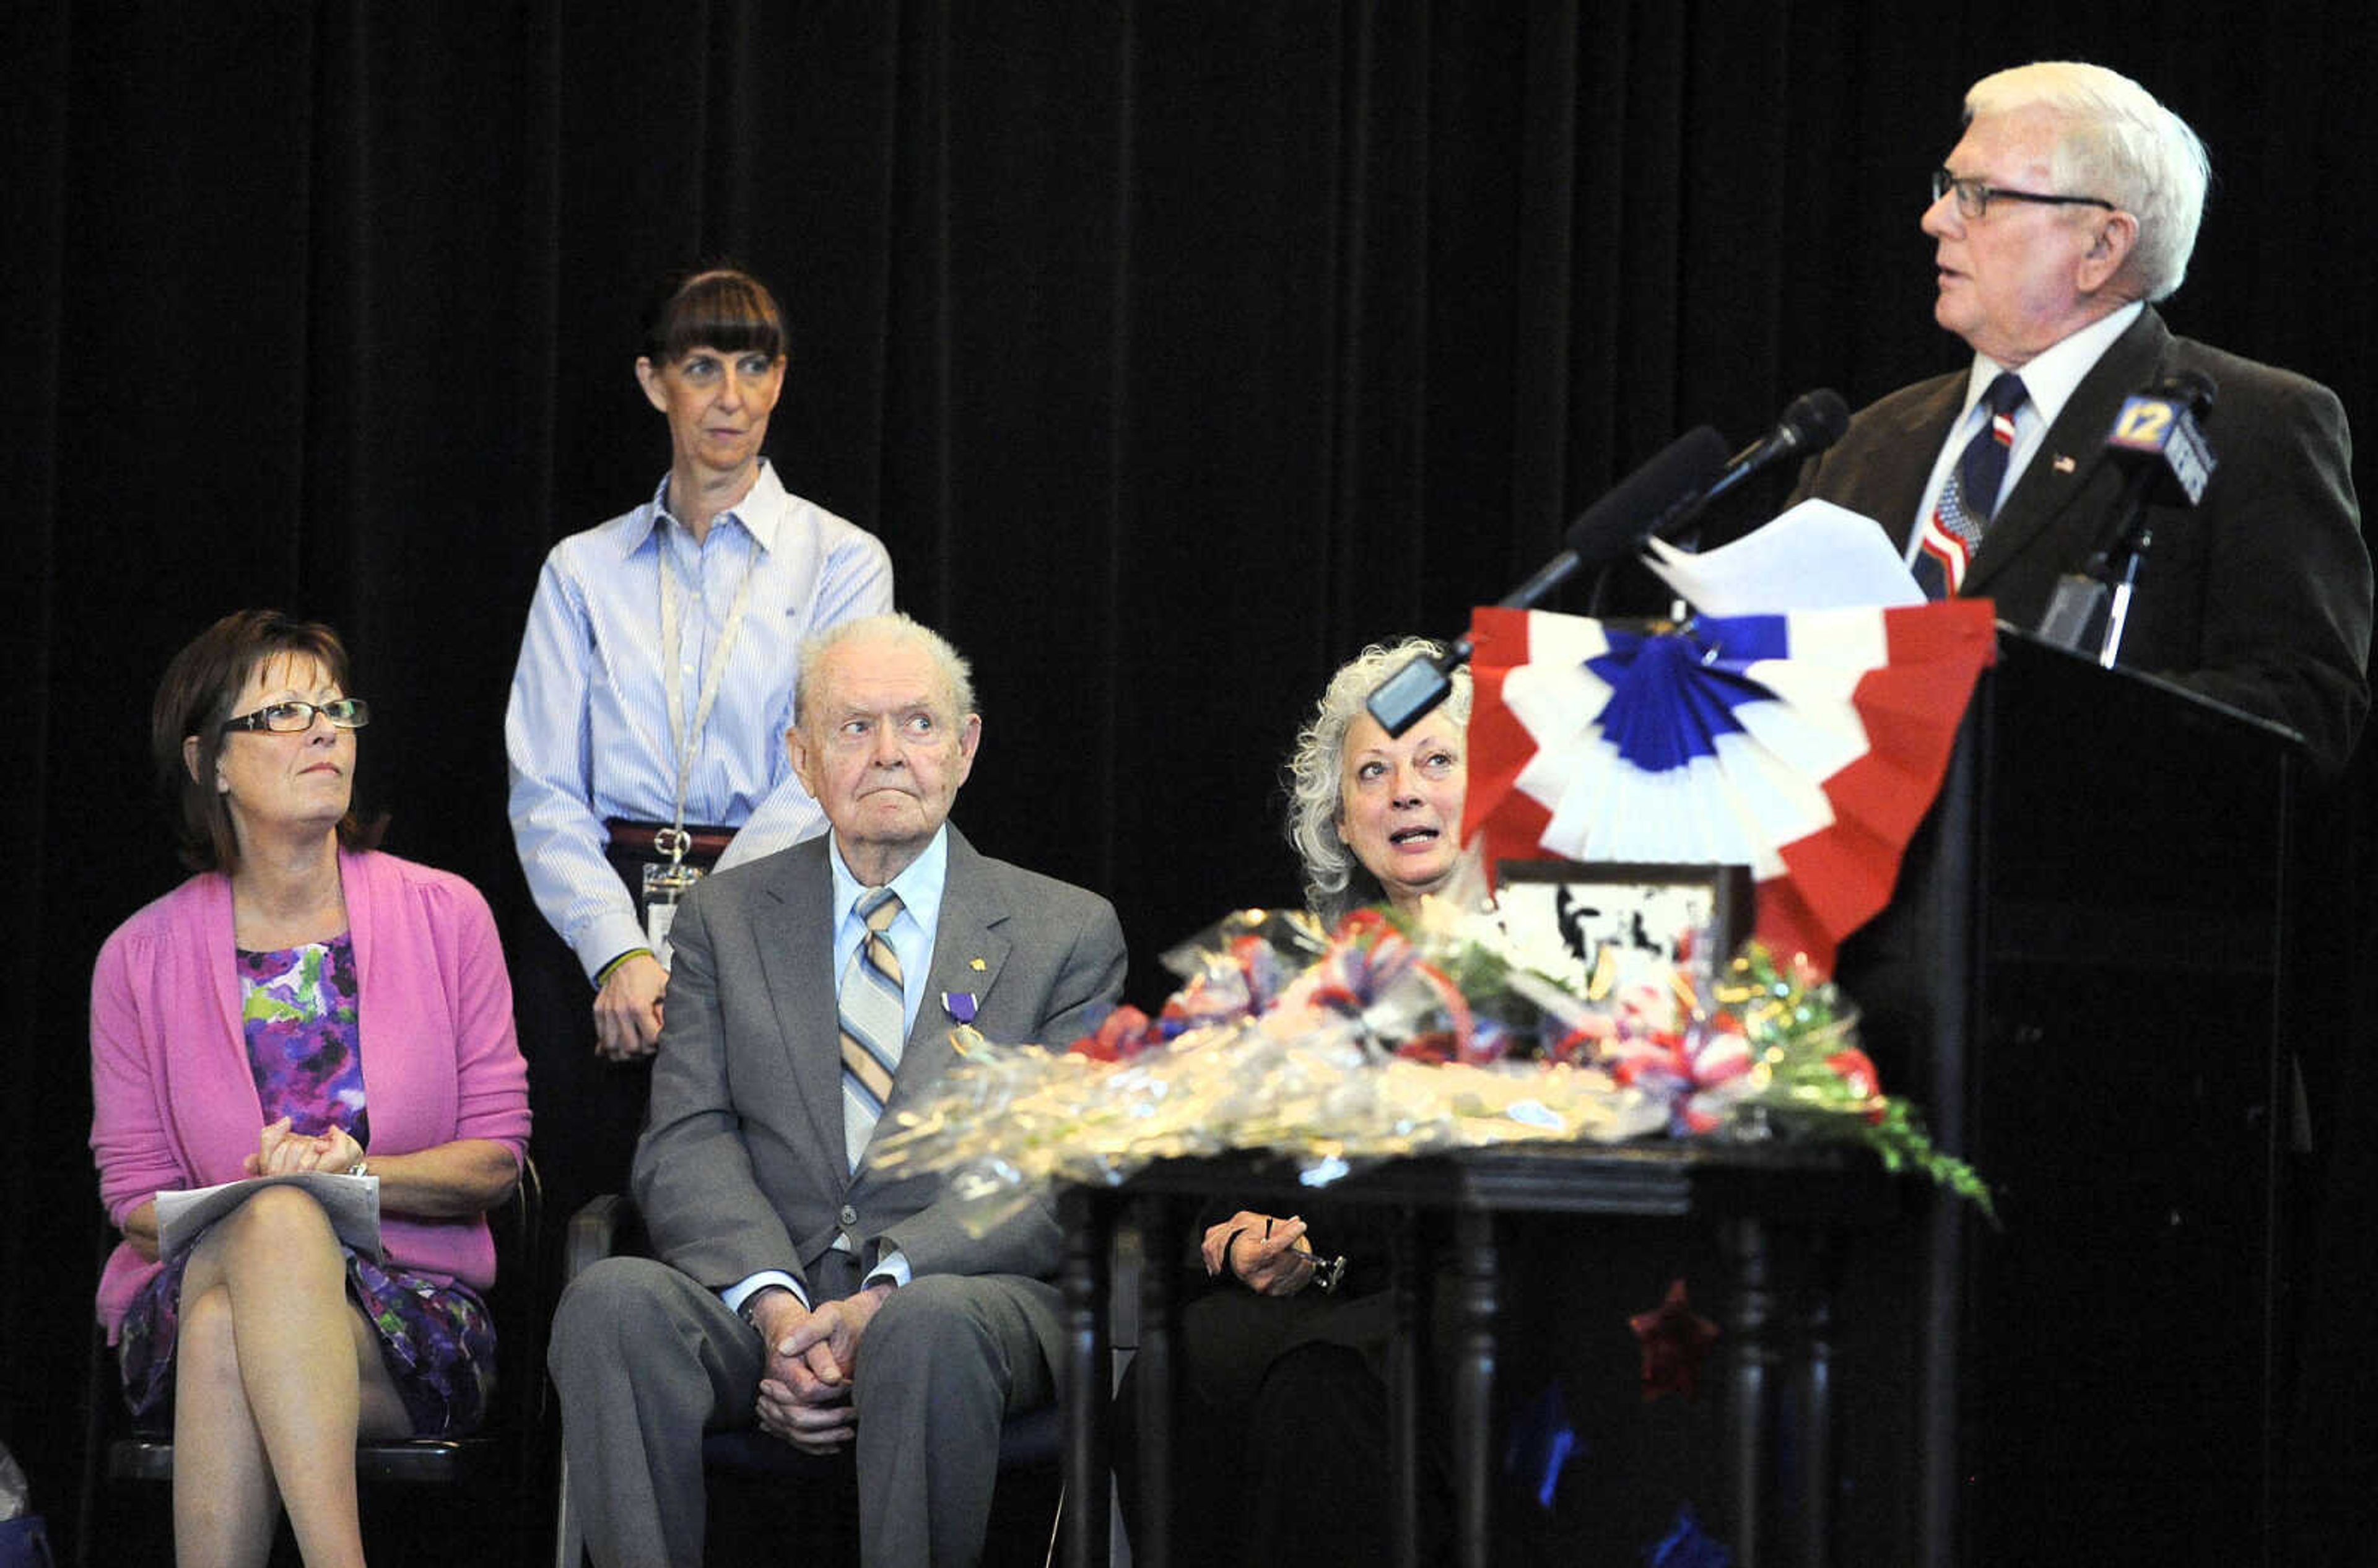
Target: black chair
[(1024, 1508), (500, 1463)]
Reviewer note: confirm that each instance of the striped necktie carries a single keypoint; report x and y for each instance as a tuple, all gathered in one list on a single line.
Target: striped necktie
[(872, 1020), (1970, 494)]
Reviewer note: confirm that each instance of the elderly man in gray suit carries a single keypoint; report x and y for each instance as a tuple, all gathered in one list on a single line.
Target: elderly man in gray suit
[(796, 1286)]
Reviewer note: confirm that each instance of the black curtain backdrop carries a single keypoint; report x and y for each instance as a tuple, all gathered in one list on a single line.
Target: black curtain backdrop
[(1174, 352)]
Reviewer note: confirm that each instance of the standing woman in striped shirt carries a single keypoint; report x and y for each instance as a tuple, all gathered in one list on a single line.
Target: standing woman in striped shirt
[(645, 733)]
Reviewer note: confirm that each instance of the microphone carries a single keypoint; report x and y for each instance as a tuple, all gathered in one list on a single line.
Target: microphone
[(1398, 701), (1812, 421), (1682, 470), (2156, 433)]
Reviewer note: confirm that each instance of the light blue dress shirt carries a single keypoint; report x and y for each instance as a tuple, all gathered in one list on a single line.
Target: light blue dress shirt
[(912, 935), (586, 733), (912, 930)]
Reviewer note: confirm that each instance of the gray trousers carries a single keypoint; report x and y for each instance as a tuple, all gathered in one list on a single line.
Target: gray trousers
[(646, 1361)]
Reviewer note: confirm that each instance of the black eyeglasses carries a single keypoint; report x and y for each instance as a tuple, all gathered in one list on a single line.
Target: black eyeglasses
[(289, 718), (1974, 197)]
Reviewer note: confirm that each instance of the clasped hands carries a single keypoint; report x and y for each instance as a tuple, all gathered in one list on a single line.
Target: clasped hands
[(812, 1356), (283, 1152), (1269, 1256), (627, 1010)]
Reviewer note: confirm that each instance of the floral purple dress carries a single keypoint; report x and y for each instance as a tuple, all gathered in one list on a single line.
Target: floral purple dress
[(305, 1046)]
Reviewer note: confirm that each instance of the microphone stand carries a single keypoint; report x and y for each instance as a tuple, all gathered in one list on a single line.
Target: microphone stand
[(2100, 593), (2131, 549)]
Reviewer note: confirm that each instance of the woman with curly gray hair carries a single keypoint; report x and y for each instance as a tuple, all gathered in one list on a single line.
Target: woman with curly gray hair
[(1282, 1398), (1378, 819)]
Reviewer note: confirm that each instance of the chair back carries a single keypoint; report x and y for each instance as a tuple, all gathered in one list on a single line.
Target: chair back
[(503, 1453)]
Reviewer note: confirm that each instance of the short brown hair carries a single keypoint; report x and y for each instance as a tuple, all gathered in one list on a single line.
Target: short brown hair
[(195, 698), (721, 307)]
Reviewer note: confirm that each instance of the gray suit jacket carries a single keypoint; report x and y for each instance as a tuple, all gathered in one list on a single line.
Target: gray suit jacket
[(741, 1165), (2259, 595)]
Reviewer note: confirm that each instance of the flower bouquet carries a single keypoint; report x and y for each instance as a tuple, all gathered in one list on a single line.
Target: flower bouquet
[(1387, 1036)]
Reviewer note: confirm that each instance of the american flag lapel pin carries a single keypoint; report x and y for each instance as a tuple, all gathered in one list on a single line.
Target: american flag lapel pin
[(2065, 464)]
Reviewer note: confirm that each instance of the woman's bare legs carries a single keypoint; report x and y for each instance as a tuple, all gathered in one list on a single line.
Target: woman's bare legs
[(276, 1373)]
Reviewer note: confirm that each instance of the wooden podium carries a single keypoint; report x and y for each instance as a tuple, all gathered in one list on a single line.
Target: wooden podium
[(2083, 979)]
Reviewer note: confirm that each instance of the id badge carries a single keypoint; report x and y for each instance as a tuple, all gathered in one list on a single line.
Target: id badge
[(664, 885)]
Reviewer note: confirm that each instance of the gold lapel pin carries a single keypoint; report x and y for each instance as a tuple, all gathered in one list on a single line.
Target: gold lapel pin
[(976, 964), (2065, 464)]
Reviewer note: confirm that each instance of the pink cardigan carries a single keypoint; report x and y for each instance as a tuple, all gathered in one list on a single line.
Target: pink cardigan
[(174, 1099)]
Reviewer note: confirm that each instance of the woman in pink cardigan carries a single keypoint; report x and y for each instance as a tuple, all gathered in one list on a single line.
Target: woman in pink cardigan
[(301, 1004)]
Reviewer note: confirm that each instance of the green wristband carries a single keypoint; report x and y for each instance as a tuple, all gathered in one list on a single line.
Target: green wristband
[(603, 976)]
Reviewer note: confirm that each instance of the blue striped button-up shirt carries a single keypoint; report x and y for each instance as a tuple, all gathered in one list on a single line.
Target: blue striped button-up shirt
[(586, 733)]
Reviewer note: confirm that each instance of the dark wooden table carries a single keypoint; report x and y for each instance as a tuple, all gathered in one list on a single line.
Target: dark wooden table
[(1770, 1202)]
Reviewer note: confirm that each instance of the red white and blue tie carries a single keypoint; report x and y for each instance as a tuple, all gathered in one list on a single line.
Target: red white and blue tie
[(1953, 531)]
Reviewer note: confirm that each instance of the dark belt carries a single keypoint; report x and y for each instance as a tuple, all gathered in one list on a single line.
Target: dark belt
[(639, 843)]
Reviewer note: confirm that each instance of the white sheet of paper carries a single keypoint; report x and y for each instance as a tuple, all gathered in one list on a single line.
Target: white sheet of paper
[(1816, 556), (352, 1202)]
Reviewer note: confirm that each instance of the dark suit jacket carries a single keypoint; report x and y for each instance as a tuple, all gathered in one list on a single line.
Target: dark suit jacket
[(2259, 596), (742, 1165)]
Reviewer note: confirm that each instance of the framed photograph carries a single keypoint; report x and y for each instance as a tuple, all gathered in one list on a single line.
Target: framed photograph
[(1627, 921)]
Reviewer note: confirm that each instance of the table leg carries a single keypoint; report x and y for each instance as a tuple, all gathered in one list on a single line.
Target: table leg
[(1403, 1393), (1159, 1234), (1751, 1383), (1815, 1379), (1473, 1384), (1089, 1230)]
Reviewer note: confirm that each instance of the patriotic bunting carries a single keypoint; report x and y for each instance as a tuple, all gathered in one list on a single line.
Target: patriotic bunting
[(1807, 747)]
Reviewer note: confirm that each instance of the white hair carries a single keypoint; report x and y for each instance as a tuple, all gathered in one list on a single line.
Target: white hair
[(1316, 772), (2118, 144), (893, 627)]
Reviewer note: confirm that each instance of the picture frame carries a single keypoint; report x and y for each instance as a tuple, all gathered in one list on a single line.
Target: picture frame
[(1627, 921)]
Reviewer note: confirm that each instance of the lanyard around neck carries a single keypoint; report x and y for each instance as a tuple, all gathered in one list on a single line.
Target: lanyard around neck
[(682, 739)]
